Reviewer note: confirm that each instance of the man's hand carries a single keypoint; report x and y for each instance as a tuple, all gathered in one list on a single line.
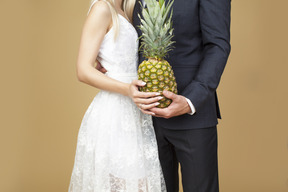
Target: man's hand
[(99, 67), (179, 106), (144, 100)]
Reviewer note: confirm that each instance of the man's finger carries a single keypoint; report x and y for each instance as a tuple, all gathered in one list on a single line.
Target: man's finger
[(158, 116), (99, 67), (102, 70), (160, 111), (147, 112), (155, 115), (165, 117)]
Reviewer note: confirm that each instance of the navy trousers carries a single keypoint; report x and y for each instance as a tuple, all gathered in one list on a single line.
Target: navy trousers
[(196, 151)]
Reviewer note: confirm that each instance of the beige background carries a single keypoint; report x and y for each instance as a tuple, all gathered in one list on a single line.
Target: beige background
[(42, 103)]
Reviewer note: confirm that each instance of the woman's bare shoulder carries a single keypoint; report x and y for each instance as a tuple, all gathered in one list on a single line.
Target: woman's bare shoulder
[(100, 9)]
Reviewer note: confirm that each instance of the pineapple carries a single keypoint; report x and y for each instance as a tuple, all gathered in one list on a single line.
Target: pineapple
[(157, 32)]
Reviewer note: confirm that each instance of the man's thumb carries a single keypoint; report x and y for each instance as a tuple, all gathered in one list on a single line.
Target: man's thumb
[(169, 94)]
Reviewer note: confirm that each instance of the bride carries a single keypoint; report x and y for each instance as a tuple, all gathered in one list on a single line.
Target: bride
[(116, 147)]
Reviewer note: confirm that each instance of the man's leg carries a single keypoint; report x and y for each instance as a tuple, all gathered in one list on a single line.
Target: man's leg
[(196, 150), (168, 160)]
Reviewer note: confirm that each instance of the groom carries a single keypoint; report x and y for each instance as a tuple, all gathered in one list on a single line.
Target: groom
[(186, 131)]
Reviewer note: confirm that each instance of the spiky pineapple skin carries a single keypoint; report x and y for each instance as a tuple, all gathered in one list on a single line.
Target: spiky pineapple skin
[(159, 76), (156, 42)]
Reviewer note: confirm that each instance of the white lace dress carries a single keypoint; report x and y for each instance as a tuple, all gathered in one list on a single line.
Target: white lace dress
[(116, 147)]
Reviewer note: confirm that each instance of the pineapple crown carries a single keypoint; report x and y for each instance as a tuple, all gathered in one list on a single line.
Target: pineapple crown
[(156, 27)]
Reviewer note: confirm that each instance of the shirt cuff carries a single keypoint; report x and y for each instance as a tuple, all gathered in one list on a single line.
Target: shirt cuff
[(191, 106)]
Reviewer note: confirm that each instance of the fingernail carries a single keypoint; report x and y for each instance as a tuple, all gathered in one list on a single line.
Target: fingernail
[(157, 94), (143, 83), (157, 104), (159, 98), (153, 113)]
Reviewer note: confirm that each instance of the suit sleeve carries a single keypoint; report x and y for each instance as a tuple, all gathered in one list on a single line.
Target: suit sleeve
[(215, 28)]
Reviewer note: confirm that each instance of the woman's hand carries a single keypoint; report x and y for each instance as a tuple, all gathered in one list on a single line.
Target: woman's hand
[(144, 100)]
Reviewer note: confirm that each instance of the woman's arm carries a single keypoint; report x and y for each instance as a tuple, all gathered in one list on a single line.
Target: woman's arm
[(97, 24)]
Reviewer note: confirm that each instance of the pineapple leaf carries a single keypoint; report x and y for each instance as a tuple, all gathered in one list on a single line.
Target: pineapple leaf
[(156, 27), (161, 2), (147, 17)]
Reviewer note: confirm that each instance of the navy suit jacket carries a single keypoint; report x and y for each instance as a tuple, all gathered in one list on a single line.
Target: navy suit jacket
[(202, 36)]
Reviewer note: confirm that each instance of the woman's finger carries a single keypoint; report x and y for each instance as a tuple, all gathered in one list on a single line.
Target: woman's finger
[(149, 106), (138, 83), (148, 100), (139, 94)]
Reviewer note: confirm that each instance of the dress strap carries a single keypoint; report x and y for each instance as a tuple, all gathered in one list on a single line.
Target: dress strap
[(92, 3)]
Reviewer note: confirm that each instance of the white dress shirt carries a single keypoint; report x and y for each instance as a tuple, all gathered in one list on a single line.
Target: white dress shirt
[(191, 106)]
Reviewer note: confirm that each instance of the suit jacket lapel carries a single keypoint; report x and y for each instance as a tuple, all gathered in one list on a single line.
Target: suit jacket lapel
[(136, 20), (137, 9)]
